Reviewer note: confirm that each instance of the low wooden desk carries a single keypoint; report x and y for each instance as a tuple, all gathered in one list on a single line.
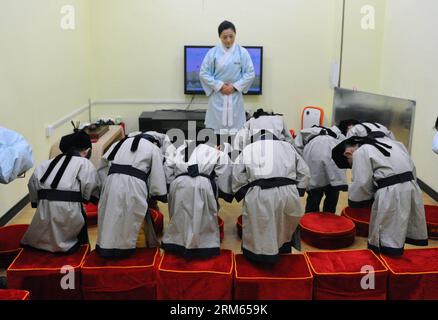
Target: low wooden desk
[(115, 133)]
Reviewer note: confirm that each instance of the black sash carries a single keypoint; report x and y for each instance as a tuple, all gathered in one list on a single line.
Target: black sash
[(396, 179), (134, 145), (193, 171), (324, 132), (59, 195), (129, 171), (264, 184), (60, 172)]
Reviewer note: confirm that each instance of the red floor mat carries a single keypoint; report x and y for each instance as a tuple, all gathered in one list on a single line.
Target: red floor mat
[(360, 217), (158, 219), (195, 279), (346, 274), (289, 279), (327, 231), (10, 237), (132, 278), (39, 273), (221, 223), (414, 275), (91, 212), (239, 226), (432, 221), (14, 295)]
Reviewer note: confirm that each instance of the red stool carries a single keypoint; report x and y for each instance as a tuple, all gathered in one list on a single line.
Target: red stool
[(432, 221), (132, 278), (91, 212), (360, 217), (10, 237), (239, 226), (158, 219), (289, 279), (221, 223), (41, 273), (327, 231), (414, 275), (14, 295), (340, 275), (195, 279)]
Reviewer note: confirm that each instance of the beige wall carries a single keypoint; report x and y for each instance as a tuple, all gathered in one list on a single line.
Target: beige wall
[(409, 70), (44, 75), (362, 52), (399, 58), (138, 50), (133, 49)]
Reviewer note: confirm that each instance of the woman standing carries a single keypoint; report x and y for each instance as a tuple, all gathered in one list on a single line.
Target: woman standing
[(226, 73)]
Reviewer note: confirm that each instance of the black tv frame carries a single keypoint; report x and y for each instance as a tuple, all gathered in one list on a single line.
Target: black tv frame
[(191, 92)]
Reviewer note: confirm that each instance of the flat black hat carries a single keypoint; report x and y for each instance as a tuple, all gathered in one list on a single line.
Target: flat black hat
[(338, 151), (78, 140), (338, 155)]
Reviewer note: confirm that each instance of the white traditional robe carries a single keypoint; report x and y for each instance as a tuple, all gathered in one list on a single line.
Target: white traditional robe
[(365, 128), (60, 226), (195, 186), (123, 203), (222, 65), (397, 210), (316, 150), (270, 214), (271, 123)]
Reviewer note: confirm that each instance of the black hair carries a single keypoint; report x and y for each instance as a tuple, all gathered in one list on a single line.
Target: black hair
[(226, 25), (436, 123), (344, 124)]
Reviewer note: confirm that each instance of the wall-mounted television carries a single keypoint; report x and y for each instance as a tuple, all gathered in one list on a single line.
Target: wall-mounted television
[(193, 57)]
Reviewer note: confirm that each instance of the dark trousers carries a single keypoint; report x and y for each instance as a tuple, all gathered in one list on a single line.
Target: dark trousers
[(314, 198)]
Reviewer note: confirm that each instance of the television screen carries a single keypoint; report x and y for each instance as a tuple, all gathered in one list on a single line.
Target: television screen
[(193, 57)]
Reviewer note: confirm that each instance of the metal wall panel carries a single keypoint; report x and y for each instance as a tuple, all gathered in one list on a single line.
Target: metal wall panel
[(395, 113)]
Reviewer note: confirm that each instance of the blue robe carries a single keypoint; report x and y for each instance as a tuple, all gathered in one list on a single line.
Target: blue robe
[(15, 155), (221, 66)]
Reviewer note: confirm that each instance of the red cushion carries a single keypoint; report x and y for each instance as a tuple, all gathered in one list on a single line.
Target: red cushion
[(158, 219), (10, 237), (239, 226), (289, 279), (221, 223), (195, 279), (337, 275), (132, 278), (327, 231), (40, 273), (14, 295), (414, 275), (360, 217), (432, 221), (91, 212)]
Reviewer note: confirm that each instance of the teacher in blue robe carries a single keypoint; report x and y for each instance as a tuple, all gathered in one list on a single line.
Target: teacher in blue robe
[(226, 73)]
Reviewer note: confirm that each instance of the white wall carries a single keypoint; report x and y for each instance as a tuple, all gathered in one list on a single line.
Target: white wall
[(138, 50), (362, 54), (409, 70), (44, 75)]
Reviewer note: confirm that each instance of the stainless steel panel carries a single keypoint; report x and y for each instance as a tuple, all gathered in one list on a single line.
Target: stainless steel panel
[(395, 113)]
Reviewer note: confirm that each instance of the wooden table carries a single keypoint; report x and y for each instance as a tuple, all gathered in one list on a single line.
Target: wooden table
[(115, 133)]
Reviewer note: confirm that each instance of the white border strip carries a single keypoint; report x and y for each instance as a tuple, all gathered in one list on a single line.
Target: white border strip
[(50, 129), (144, 101)]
